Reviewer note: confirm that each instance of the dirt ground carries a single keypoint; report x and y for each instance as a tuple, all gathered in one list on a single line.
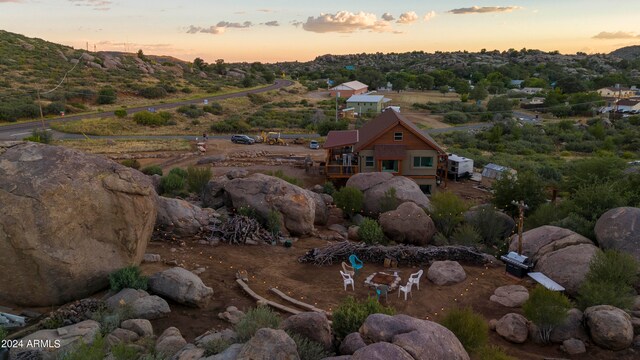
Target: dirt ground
[(276, 266)]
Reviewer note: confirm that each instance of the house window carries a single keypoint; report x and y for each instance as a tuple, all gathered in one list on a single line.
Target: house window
[(397, 136), (390, 165), (422, 161), (368, 161), (426, 189)]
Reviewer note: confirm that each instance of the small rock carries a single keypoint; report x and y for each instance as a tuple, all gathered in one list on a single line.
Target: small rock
[(199, 271), (513, 327), (492, 324), (510, 295), (573, 347), (170, 342), (142, 327), (151, 258), (232, 315), (446, 273), (123, 335)]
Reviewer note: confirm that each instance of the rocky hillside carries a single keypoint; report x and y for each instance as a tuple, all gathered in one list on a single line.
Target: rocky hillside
[(627, 53)]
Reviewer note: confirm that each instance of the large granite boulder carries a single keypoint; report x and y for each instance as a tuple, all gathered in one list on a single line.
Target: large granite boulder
[(545, 239), (374, 186), (408, 224), (68, 338), (351, 343), (182, 286), (609, 327), (265, 193), (568, 266), (322, 210), (446, 272), (619, 229), (214, 195), (183, 218), (510, 295), (67, 220), (421, 339), (170, 342), (571, 328), (269, 344), (139, 303), (513, 327), (312, 325), (381, 351)]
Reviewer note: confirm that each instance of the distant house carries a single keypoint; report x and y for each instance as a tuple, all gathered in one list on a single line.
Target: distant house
[(628, 105), (621, 92), (532, 90), (493, 172), (388, 143), (367, 103), (349, 89), (516, 83)]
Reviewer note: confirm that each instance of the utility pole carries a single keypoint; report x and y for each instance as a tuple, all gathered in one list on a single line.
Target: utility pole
[(337, 96), (40, 106), (521, 208)]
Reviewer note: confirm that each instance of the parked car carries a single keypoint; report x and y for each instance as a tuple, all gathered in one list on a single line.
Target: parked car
[(242, 139), (314, 145)]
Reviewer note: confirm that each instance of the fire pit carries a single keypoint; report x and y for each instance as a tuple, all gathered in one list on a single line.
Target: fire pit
[(382, 278)]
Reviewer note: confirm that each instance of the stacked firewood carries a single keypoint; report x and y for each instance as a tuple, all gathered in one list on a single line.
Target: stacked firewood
[(240, 229), (404, 254)]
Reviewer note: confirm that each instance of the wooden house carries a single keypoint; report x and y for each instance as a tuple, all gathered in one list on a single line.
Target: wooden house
[(388, 143)]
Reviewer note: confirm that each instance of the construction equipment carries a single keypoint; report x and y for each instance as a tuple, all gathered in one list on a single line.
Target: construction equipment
[(272, 138)]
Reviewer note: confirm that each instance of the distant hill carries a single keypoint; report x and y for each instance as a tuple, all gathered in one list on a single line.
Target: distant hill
[(627, 53), (31, 65)]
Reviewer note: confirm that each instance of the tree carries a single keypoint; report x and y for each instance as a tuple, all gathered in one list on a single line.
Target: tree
[(142, 56), (526, 186), (424, 82), (546, 309), (447, 211), (462, 87), (199, 64), (399, 84), (499, 104), (444, 89), (220, 67), (478, 93)]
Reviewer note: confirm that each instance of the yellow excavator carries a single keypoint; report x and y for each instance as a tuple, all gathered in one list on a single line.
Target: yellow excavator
[(272, 138)]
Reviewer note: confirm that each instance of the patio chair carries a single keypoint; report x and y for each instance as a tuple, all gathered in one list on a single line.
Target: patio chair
[(348, 269), (406, 290), (415, 278), (382, 290), (356, 263), (347, 279)]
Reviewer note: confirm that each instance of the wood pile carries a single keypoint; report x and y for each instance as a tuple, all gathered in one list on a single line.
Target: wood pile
[(240, 229), (404, 254)]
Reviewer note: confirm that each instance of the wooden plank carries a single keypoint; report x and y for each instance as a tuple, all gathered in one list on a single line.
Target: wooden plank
[(248, 290), (298, 303)]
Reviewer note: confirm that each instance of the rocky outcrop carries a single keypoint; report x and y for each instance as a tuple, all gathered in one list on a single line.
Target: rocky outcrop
[(573, 347), (420, 339), (619, 229), (269, 344), (510, 295), (182, 286), (321, 208), (181, 217), (446, 272), (374, 186), (609, 327), (69, 338), (568, 266), (67, 220), (312, 325), (142, 327), (351, 343), (571, 328), (214, 195), (513, 327), (381, 351), (545, 239), (265, 193), (170, 342), (408, 224)]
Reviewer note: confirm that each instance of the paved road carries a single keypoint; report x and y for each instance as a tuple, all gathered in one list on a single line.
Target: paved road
[(21, 130)]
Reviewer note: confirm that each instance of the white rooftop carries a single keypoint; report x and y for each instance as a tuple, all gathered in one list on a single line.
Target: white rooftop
[(456, 158), (366, 98), (351, 85)]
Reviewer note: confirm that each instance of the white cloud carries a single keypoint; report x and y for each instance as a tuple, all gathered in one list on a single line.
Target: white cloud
[(346, 22), (430, 15), (272, 23), (219, 28), (604, 35), (100, 5), (484, 9), (407, 17), (387, 17)]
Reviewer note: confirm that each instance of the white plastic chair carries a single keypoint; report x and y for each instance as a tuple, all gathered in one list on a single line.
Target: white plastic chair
[(415, 278), (348, 269), (347, 279), (406, 290)]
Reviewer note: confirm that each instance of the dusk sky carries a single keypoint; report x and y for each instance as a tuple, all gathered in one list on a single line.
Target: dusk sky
[(269, 31)]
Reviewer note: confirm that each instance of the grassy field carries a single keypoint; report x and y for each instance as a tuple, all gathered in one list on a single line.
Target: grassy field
[(406, 99), (125, 146)]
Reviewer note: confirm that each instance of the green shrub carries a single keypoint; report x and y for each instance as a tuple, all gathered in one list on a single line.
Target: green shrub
[(349, 199), (610, 280), (213, 108), (121, 351), (328, 188), (132, 163), (389, 200), (127, 277), (152, 170), (491, 352), (351, 314), (191, 111), (121, 113), (110, 320), (179, 172), (94, 351), (274, 220), (3, 333), (469, 327), (197, 178), (40, 136), (447, 211), (526, 186), (489, 225), (248, 212), (547, 309), (546, 214), (281, 175), (172, 183), (325, 126), (216, 346), (154, 92), (53, 322), (151, 119), (440, 240), (255, 319), (467, 235), (308, 349), (371, 232), (456, 117), (106, 96)]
